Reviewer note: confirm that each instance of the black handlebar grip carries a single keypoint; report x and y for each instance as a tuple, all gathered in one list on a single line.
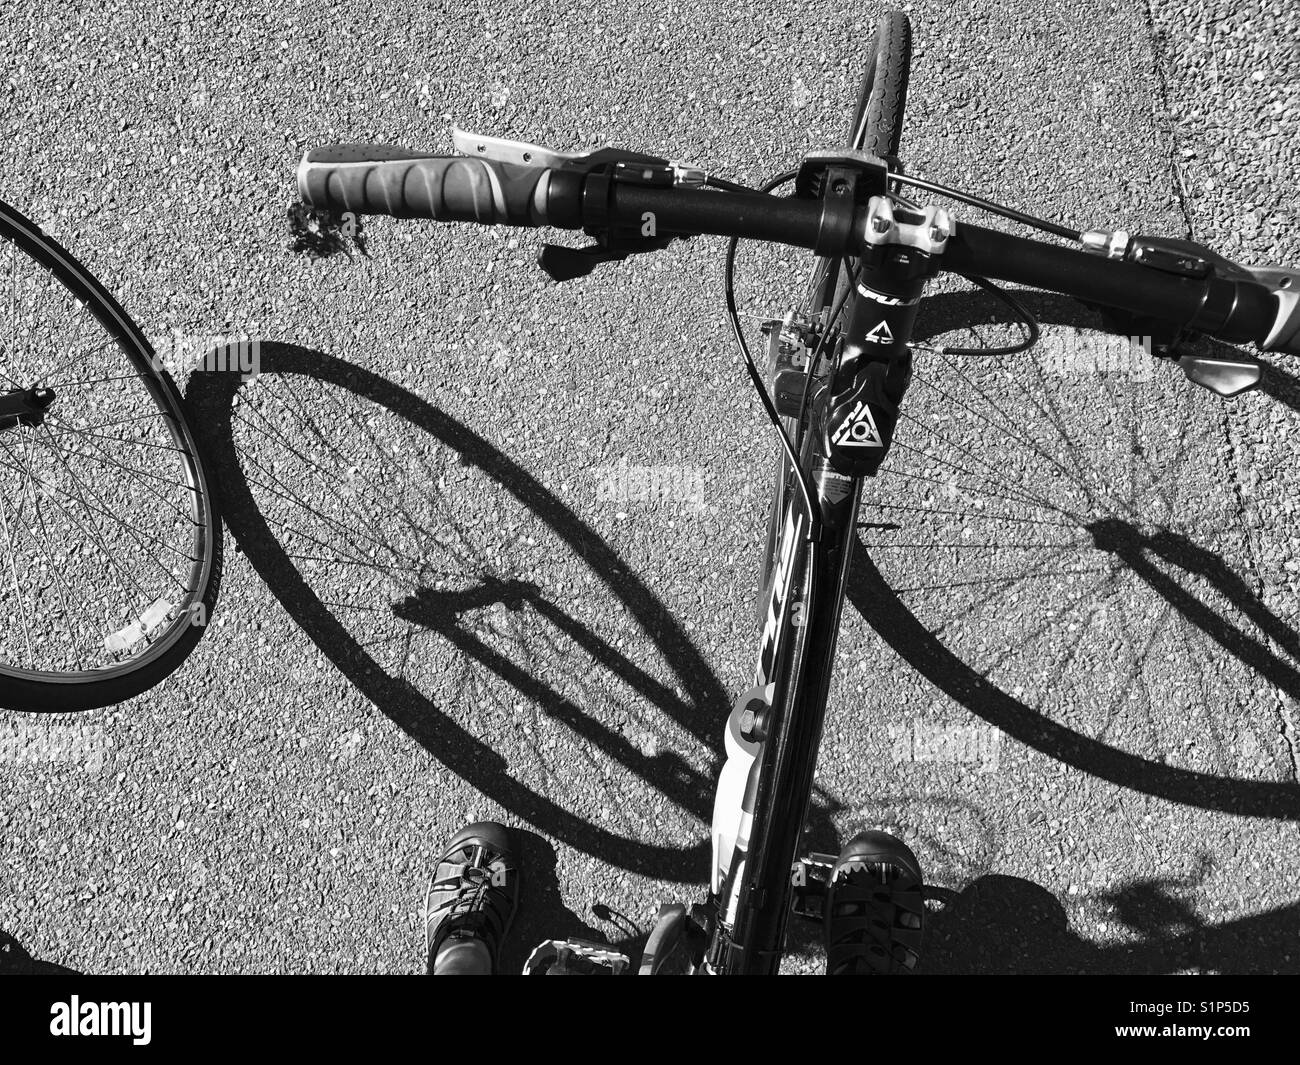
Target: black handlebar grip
[(378, 179)]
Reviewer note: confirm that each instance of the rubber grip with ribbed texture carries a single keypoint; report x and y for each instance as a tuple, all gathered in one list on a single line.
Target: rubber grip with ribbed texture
[(379, 179)]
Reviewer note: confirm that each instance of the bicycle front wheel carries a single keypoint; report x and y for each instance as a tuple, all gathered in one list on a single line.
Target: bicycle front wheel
[(876, 127), (109, 537)]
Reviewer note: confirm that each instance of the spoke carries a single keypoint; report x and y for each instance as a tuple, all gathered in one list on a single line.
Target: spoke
[(1038, 571), (1013, 579), (110, 462), (962, 545), (338, 561), (1084, 477), (1056, 614), (118, 439), (965, 452), (13, 573), (58, 419), (1211, 726), (90, 345), (143, 594), (1011, 491), (328, 481), (91, 534), (1008, 429), (401, 472), (314, 428), (386, 610), (409, 639), (634, 676), (403, 637), (16, 386), (1133, 452), (353, 561), (55, 570), (949, 485), (1002, 425), (171, 505), (13, 302), (1182, 450), (558, 708), (348, 531), (1139, 657)]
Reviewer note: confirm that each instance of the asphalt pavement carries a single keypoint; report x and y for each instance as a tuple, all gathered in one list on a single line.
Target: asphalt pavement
[(492, 543)]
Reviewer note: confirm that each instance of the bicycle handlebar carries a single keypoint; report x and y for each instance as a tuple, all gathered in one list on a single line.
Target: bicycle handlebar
[(378, 179), (1230, 309)]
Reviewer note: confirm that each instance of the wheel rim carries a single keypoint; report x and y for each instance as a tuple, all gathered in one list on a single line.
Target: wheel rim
[(106, 538)]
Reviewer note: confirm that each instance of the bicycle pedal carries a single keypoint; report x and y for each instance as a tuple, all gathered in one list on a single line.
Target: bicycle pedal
[(576, 957), (809, 878)]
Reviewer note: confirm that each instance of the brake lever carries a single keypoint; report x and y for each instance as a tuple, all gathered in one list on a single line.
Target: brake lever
[(566, 264), (521, 153), (1223, 377)]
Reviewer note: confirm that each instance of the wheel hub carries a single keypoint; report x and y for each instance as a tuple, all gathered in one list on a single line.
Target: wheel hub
[(24, 407)]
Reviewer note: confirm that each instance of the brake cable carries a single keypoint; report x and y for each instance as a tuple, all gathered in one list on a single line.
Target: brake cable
[(1026, 317), (727, 186), (988, 205), (814, 521), (1022, 312)]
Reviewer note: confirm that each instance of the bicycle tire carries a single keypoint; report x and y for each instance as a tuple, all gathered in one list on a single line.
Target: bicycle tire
[(877, 125), (39, 690)]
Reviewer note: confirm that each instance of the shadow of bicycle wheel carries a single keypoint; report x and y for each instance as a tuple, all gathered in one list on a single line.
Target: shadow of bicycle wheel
[(1000, 482), (492, 630)]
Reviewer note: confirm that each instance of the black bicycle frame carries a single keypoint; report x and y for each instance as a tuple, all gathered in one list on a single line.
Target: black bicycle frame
[(820, 570)]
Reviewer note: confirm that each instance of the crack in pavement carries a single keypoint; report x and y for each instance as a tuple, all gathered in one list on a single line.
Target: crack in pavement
[(1286, 725)]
